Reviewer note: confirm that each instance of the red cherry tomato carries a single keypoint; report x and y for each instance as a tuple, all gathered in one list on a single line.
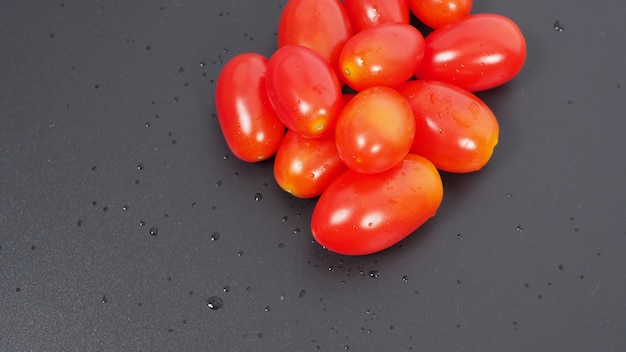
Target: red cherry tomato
[(454, 129), (321, 25), (304, 167), (375, 130), (438, 13), (304, 90), (384, 55), (365, 213), (476, 53), (250, 125), (368, 13)]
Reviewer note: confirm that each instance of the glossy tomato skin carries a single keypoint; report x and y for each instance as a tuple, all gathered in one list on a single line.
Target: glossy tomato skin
[(454, 129), (479, 52), (384, 55), (368, 13), (361, 214), (322, 25), (304, 90), (375, 130), (250, 125), (438, 13), (304, 167)]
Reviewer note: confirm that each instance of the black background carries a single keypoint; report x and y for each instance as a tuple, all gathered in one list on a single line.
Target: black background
[(107, 130)]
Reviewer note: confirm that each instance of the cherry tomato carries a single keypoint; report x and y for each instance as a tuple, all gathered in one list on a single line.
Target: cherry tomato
[(476, 53), (454, 129), (375, 130), (438, 13), (321, 25), (304, 167), (304, 90), (365, 213), (368, 13), (384, 55), (250, 125)]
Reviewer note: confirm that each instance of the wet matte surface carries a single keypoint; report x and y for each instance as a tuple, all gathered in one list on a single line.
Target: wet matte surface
[(126, 224)]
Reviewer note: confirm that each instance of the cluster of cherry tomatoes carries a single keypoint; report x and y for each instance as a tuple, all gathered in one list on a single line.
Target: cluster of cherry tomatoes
[(358, 108)]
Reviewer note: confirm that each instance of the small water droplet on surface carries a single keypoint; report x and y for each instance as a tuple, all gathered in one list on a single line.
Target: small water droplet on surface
[(140, 166), (561, 266), (558, 26), (284, 219), (281, 245), (79, 223), (215, 303), (519, 228), (509, 195), (142, 223), (268, 308), (105, 299), (302, 293), (405, 278), (218, 183), (154, 231), (258, 197), (459, 236), (181, 69), (105, 209), (125, 207), (215, 236), (296, 230), (147, 124), (18, 289), (226, 289), (373, 274)]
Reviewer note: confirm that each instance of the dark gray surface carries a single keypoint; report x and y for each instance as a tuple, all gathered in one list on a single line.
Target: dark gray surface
[(526, 255)]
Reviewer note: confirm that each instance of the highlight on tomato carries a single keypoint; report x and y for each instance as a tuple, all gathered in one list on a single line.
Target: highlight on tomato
[(454, 129), (438, 13), (361, 214), (364, 14), (249, 124)]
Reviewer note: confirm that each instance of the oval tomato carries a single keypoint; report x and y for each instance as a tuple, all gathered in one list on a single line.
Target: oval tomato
[(365, 213), (368, 13), (454, 129), (375, 130), (476, 53), (438, 13), (321, 25), (383, 55), (250, 125), (304, 167), (304, 90)]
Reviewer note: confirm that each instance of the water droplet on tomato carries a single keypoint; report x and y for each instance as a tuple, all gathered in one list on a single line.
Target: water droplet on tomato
[(311, 175)]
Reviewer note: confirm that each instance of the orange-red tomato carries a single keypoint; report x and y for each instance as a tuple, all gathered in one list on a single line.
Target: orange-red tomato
[(368, 13), (384, 55), (476, 53), (375, 130), (438, 13), (321, 25), (454, 129), (304, 90), (250, 125), (304, 167), (365, 213)]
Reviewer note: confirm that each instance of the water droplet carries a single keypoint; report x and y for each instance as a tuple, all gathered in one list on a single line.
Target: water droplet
[(218, 183), (258, 197), (561, 266), (104, 299), (147, 124), (281, 245), (181, 69), (215, 236), (302, 293), (459, 236), (509, 195), (558, 26), (202, 63), (519, 228), (373, 274), (284, 219), (176, 99), (140, 166), (240, 253), (311, 175), (154, 231), (226, 289), (296, 230), (268, 308), (142, 223), (105, 209), (405, 278), (125, 207), (215, 303), (79, 223)]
